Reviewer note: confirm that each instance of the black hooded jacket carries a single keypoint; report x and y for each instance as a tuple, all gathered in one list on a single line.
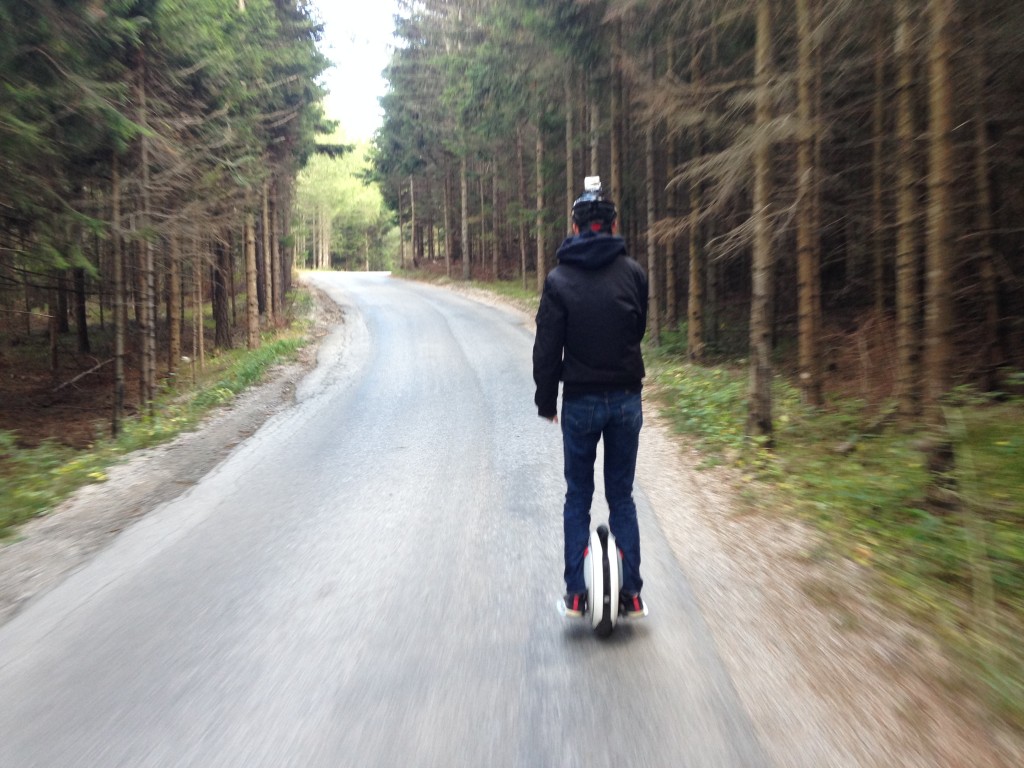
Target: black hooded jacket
[(592, 317)]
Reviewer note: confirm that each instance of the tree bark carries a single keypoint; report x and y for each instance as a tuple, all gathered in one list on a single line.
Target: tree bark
[(276, 268), (147, 325), (615, 133), (671, 209), (907, 260), (653, 313), (938, 289), (412, 224), (878, 160), (993, 357), (495, 222), (53, 316), (221, 315), (119, 308), (174, 306), (595, 138), (198, 329), (448, 234), (759, 416), (401, 229), (695, 304), (81, 311), (808, 259), (464, 192), (542, 268), (268, 261), (570, 172), (252, 315), (60, 308), (483, 220), (522, 203)]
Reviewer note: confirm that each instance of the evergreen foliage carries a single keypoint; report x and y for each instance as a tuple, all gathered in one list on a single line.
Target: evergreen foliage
[(135, 136)]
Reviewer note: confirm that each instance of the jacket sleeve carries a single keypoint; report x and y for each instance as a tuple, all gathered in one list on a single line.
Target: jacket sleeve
[(547, 350), (643, 288)]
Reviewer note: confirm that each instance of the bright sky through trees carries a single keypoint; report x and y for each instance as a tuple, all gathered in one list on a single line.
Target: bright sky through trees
[(358, 40)]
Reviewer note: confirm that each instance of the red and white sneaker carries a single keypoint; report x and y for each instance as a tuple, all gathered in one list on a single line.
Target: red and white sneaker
[(631, 605), (575, 604)]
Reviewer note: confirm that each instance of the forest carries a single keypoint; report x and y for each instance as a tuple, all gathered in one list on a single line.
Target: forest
[(149, 152), (833, 178)]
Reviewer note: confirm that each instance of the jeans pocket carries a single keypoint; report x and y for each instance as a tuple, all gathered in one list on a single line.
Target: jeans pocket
[(577, 417), (631, 414)]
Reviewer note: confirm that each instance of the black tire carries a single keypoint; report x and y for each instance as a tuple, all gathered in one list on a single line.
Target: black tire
[(605, 626)]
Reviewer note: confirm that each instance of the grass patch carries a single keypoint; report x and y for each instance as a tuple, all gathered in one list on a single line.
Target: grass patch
[(33, 480), (959, 573)]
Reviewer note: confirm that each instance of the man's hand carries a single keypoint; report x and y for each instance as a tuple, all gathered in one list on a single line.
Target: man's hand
[(552, 419)]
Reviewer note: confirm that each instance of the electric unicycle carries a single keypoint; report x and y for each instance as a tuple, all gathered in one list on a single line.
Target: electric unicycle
[(602, 572)]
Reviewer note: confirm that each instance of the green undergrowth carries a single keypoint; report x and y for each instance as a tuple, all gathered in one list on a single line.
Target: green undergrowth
[(34, 480), (861, 479)]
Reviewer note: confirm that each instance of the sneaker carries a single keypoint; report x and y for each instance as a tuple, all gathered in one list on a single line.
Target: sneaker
[(576, 604), (631, 605)]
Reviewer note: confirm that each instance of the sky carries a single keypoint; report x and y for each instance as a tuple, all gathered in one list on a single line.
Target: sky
[(358, 38)]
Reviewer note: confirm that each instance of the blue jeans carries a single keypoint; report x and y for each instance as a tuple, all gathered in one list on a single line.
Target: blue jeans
[(616, 416)]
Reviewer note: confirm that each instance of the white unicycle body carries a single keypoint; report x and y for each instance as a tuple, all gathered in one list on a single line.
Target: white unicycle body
[(602, 571)]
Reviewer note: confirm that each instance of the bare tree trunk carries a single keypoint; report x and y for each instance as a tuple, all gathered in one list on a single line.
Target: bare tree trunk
[(81, 311), (522, 204), (464, 191), (759, 416), (252, 315), (570, 172), (119, 308), (938, 289), (595, 137), (483, 220), (808, 259), (174, 306), (495, 208), (28, 305), (232, 292), (671, 204), (878, 161), (695, 303), (412, 223), (53, 315), (448, 234), (281, 279), (268, 262), (199, 337), (401, 229), (615, 133), (984, 223), (653, 314), (326, 235), (60, 308), (147, 329), (221, 316), (907, 266), (542, 268)]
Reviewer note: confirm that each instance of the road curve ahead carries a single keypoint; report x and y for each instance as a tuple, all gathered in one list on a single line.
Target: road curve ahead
[(370, 580)]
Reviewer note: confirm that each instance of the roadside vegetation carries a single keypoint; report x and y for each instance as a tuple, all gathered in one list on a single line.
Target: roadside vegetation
[(955, 568), (35, 479)]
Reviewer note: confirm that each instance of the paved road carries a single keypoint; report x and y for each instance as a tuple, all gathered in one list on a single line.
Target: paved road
[(369, 581)]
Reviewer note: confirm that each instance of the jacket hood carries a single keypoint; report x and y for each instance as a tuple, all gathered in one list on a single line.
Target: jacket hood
[(591, 250)]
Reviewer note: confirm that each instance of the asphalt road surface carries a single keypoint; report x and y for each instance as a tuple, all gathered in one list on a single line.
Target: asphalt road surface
[(370, 580)]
